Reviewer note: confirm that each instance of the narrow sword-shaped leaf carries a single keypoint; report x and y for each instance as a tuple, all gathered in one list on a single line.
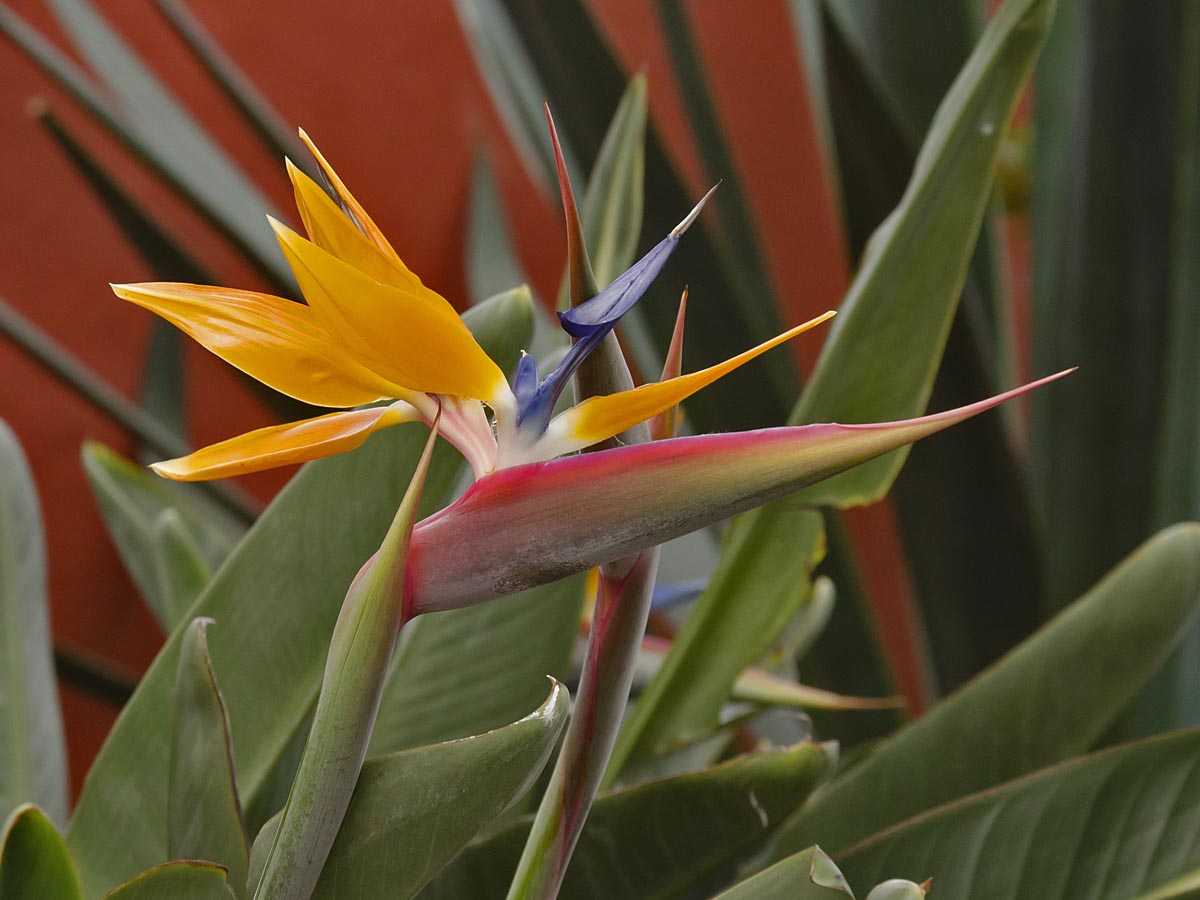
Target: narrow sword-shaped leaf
[(602, 506), (1045, 701), (375, 609), (33, 757), (907, 297), (71, 371), (204, 815), (182, 572), (277, 135), (718, 640), (34, 861), (158, 127), (492, 261)]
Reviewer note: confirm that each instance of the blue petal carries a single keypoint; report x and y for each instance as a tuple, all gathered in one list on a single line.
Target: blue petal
[(606, 308), (525, 381), (589, 323)]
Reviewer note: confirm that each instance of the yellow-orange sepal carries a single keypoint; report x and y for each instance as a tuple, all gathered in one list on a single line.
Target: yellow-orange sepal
[(276, 341), (599, 418), (282, 445), (397, 333)]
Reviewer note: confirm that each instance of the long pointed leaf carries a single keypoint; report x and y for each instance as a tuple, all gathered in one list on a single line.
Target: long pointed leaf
[(1046, 701), (33, 759), (659, 838), (34, 861), (204, 816), (412, 811), (1119, 825)]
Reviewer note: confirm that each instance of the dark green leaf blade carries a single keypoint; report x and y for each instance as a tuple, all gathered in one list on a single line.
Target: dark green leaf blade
[(658, 838), (132, 502), (741, 612), (176, 881), (33, 757), (276, 598), (170, 138), (204, 816), (1119, 825), (886, 344), (467, 671), (1044, 702), (34, 861), (414, 810), (795, 878)]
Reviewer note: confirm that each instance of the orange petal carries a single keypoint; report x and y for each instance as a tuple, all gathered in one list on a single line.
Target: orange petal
[(359, 215), (276, 341), (599, 418), (282, 445), (400, 336)]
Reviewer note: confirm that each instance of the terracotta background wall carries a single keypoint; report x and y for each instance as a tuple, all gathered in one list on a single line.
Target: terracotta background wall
[(389, 91)]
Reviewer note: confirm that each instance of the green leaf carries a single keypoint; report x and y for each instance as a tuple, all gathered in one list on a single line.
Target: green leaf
[(182, 570), (276, 598), (885, 346), (132, 502), (658, 838), (176, 881), (1173, 699), (746, 605), (33, 757), (807, 875), (1103, 194), (356, 668), (204, 816), (277, 134), (34, 862), (467, 671), (1049, 699), (162, 378), (1119, 825), (412, 811)]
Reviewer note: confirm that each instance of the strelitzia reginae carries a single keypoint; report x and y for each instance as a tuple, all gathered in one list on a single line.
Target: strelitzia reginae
[(385, 349)]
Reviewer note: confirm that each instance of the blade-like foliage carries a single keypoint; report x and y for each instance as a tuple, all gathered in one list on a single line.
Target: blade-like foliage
[(412, 811), (807, 875), (133, 502), (886, 343), (204, 816), (1046, 701), (658, 838), (178, 881), (33, 759), (34, 861), (722, 637), (1120, 825), (467, 671)]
